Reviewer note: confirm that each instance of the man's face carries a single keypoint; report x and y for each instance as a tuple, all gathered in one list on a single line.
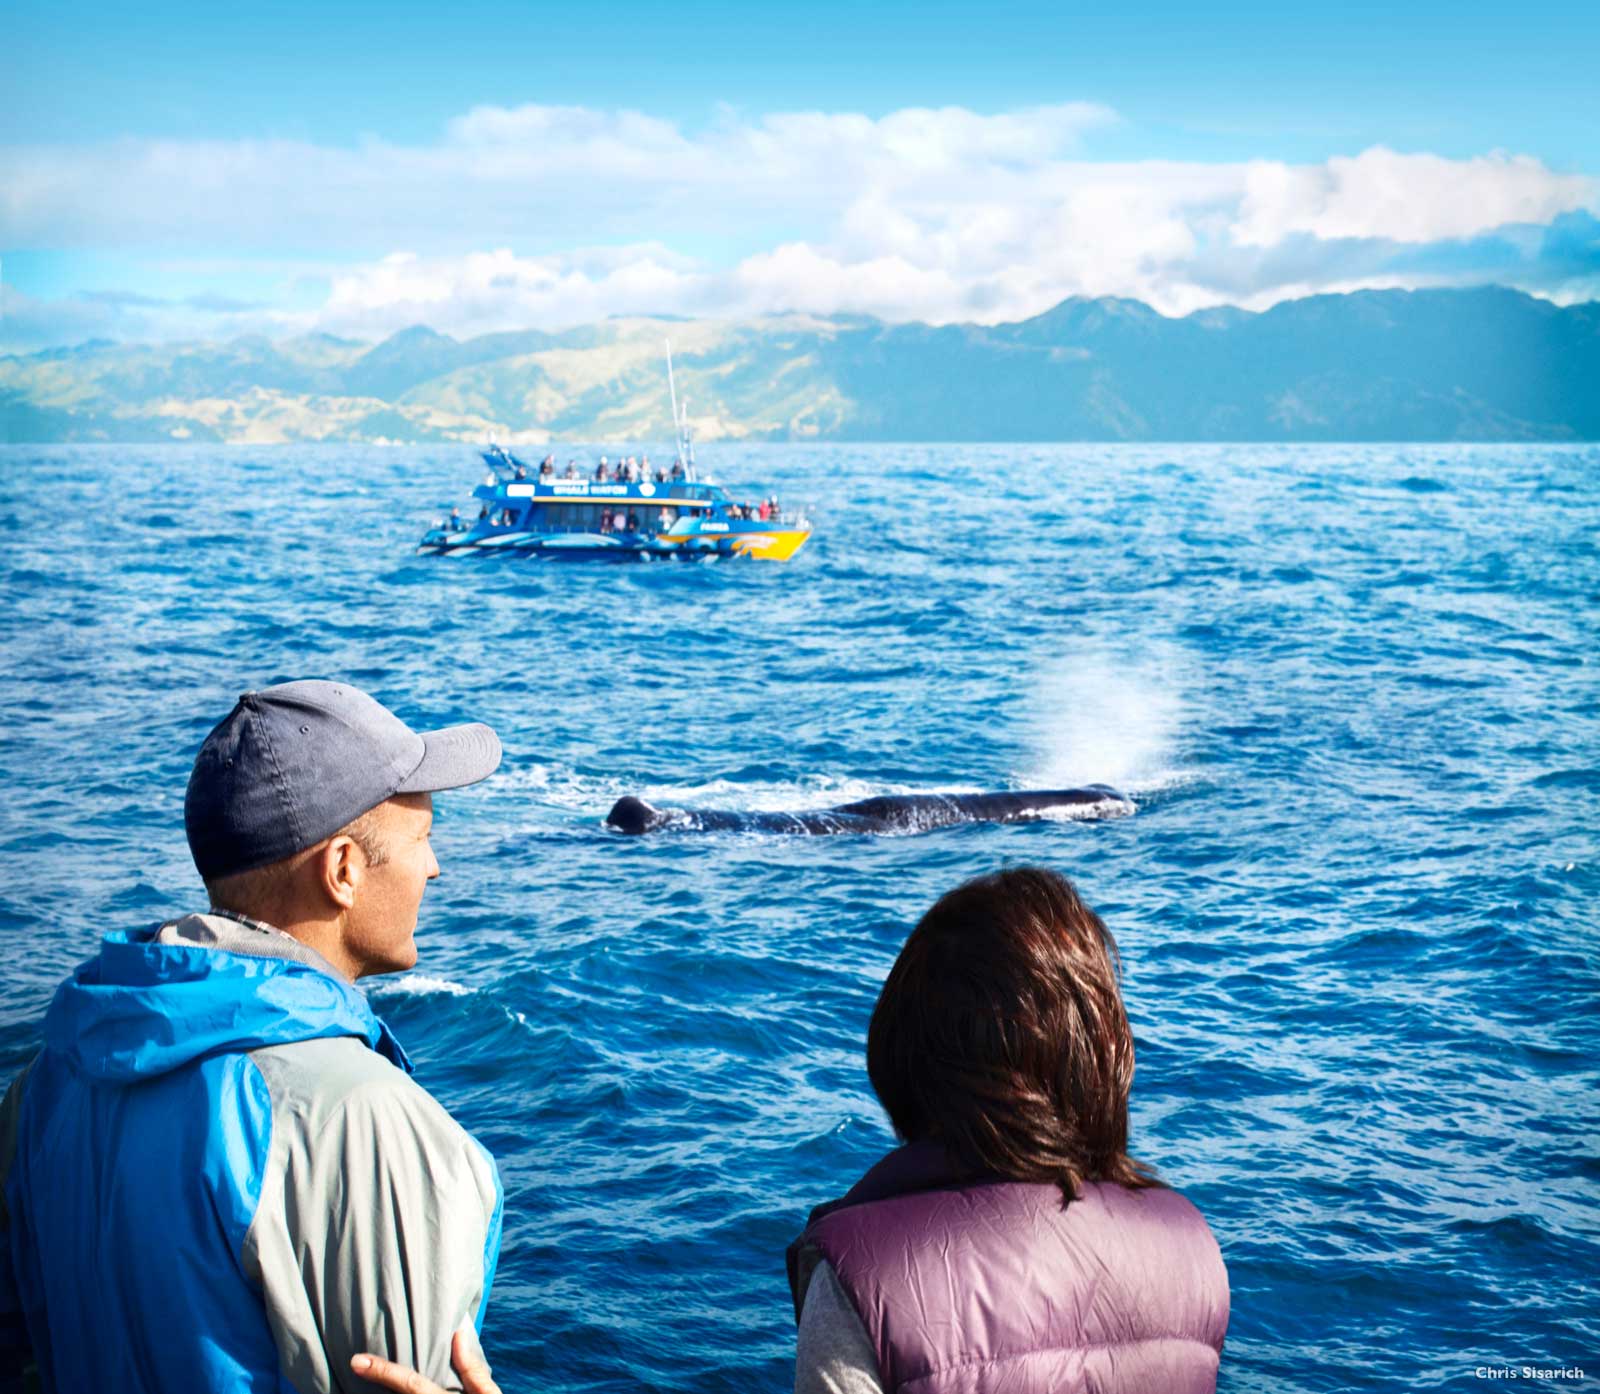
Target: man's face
[(380, 927)]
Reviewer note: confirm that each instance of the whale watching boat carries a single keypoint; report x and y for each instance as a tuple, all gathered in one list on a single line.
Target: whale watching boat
[(633, 514)]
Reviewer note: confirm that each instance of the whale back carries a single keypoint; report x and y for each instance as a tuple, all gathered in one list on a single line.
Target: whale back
[(884, 813), (920, 812)]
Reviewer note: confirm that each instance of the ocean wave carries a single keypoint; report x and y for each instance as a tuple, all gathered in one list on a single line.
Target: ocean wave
[(420, 985)]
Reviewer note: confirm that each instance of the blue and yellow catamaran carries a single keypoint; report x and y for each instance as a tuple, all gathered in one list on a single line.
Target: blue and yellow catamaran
[(635, 514)]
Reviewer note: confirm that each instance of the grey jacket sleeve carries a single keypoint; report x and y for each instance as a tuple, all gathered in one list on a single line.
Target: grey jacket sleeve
[(376, 1216), (833, 1354)]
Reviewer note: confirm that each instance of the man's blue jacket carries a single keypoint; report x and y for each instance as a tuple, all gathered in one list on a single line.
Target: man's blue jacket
[(218, 1175)]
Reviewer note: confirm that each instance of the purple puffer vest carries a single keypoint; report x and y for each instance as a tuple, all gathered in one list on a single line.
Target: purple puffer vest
[(966, 1286)]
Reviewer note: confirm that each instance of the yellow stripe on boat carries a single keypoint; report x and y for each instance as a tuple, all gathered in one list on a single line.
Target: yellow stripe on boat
[(769, 546)]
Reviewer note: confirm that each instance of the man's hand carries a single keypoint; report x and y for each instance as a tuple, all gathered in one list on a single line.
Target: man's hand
[(466, 1358)]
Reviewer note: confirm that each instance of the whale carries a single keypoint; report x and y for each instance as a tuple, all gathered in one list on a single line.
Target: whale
[(887, 813)]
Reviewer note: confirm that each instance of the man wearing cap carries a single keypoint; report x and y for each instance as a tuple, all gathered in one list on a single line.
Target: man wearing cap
[(218, 1173)]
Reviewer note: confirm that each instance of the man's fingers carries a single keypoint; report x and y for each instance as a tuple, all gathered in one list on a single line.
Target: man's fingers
[(466, 1358), (392, 1376)]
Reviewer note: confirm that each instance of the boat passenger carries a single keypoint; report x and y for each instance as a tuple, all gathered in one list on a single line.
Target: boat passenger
[(572, 470), (547, 470), (600, 471), (522, 471), (677, 469), (455, 524), (633, 521), (761, 511), (483, 513)]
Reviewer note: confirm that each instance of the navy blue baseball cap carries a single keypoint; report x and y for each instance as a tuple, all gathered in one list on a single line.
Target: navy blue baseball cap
[(292, 764)]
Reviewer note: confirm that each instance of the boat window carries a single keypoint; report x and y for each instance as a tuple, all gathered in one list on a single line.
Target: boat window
[(574, 517)]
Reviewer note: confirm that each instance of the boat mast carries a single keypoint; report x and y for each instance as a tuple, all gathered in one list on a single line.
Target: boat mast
[(680, 420)]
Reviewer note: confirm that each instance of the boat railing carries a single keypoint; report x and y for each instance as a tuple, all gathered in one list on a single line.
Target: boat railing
[(794, 516)]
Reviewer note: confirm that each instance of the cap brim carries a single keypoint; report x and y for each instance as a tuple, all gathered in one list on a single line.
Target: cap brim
[(455, 756)]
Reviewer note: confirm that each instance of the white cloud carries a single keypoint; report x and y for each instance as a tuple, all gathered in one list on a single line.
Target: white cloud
[(494, 290), (1403, 198), (546, 216)]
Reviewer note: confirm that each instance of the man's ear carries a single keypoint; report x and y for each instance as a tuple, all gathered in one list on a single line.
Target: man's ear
[(342, 865)]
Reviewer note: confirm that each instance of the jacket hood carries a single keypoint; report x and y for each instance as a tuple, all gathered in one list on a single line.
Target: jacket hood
[(140, 1008)]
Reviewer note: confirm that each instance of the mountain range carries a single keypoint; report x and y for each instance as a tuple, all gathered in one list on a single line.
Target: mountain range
[(1479, 364)]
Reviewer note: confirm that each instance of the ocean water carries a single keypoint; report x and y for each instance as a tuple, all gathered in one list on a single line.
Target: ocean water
[(1352, 691)]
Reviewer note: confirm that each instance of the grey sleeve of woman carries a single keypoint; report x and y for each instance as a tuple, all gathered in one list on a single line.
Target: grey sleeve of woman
[(833, 1354)]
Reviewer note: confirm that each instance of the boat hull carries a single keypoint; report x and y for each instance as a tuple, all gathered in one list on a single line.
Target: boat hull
[(767, 545)]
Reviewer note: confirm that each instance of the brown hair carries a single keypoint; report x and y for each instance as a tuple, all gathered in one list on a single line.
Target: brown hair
[(1001, 1034)]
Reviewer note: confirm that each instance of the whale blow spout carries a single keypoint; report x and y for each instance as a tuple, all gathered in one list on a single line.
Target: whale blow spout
[(888, 813)]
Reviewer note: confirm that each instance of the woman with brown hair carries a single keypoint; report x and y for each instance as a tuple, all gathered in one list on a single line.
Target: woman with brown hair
[(1011, 1243)]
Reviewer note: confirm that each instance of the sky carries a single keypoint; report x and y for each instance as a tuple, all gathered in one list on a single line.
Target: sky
[(174, 172)]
